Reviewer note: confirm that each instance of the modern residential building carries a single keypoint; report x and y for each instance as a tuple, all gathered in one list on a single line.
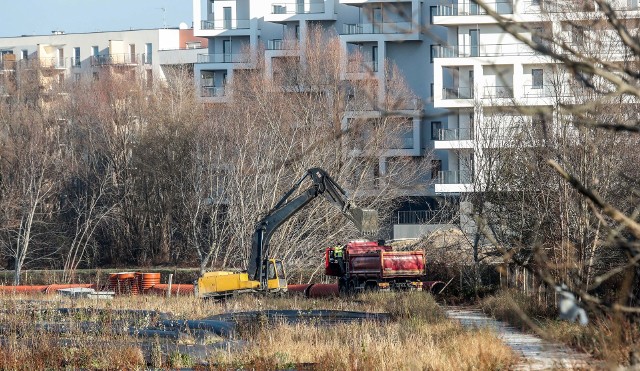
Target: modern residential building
[(58, 57), (382, 32), (481, 71)]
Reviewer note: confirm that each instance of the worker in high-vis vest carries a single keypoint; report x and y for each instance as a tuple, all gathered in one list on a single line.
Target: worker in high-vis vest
[(338, 255)]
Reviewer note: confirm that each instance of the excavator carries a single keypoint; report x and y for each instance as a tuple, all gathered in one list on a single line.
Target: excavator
[(265, 274)]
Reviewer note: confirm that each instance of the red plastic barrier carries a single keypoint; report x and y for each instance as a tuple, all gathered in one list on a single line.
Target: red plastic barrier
[(322, 290)]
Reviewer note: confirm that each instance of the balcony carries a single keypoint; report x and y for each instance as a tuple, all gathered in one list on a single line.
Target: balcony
[(455, 134), (54, 62), (498, 92), (212, 91), (224, 58), (541, 91), (464, 8), (486, 50), (297, 8), (454, 177), (226, 24), (378, 28), (457, 93), (114, 60), (76, 62), (359, 66)]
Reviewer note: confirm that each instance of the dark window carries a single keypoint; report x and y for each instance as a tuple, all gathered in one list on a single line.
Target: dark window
[(538, 78), (435, 129), (433, 11), (432, 91)]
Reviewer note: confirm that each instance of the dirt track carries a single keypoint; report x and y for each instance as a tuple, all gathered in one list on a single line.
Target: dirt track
[(536, 353)]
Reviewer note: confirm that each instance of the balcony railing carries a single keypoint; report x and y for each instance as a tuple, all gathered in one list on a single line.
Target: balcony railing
[(226, 24), (471, 8), (76, 62), (147, 58), (279, 44), (297, 8), (455, 134), (539, 91), (424, 217), (212, 91), (53, 62), (223, 58), (378, 28), (485, 50), (362, 66), (457, 93), (546, 6), (498, 92), (455, 177), (114, 59)]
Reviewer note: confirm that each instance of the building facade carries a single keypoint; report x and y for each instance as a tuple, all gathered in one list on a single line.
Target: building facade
[(398, 33), (59, 57)]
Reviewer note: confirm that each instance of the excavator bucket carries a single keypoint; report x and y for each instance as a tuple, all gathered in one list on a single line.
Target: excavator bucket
[(366, 220)]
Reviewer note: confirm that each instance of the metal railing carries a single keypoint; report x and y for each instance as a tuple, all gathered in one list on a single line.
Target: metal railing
[(539, 91), (147, 58), (424, 217), (457, 93), (362, 66), (297, 8), (455, 134), (279, 44), (485, 50), (223, 58), (472, 8), (498, 92), (378, 28), (546, 6), (212, 91), (76, 62), (454, 177), (114, 59), (226, 24)]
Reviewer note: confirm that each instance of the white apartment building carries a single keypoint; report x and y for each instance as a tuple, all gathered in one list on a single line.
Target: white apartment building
[(61, 56), (480, 70), (382, 31)]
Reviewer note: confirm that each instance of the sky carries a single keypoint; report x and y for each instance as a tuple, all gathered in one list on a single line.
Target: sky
[(40, 17)]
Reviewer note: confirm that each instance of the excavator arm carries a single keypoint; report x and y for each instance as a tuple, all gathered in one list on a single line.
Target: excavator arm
[(323, 185)]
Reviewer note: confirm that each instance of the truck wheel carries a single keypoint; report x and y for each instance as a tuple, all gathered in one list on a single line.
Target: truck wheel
[(342, 286)]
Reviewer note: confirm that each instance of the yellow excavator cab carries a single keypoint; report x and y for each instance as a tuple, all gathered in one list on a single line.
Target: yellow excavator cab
[(276, 277)]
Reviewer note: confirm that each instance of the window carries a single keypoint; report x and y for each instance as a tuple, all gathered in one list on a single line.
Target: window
[(436, 167), (226, 51), (538, 78), (436, 126), (148, 50), (95, 51), (433, 11), (76, 57), (96, 77), (431, 92), (25, 54)]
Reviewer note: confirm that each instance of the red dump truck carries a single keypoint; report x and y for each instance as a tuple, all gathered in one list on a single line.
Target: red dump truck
[(371, 265)]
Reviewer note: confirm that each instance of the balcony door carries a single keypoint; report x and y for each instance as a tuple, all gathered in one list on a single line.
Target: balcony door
[(377, 20), (474, 43), (226, 17), (374, 58), (226, 51)]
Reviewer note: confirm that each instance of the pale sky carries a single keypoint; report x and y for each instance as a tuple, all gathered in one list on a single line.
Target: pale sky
[(40, 17)]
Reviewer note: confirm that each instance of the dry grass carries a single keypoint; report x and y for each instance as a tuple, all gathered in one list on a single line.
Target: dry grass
[(606, 338), (418, 336)]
